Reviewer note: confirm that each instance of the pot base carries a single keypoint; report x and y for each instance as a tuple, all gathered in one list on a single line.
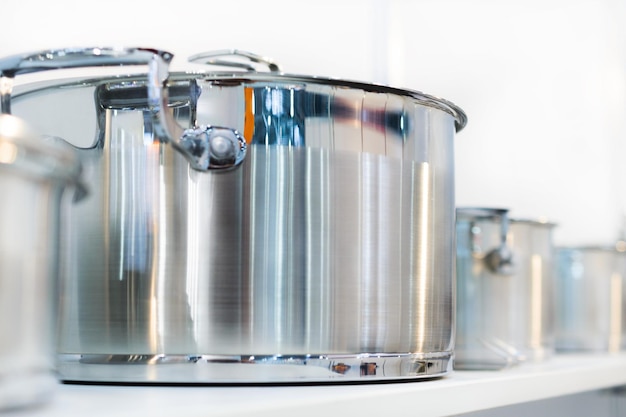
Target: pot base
[(225, 369)]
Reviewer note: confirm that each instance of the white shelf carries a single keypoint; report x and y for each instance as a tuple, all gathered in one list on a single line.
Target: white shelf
[(458, 393)]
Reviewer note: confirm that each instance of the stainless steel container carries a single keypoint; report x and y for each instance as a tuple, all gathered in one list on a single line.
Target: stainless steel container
[(324, 251), (504, 289), (533, 248), (590, 289), (33, 177)]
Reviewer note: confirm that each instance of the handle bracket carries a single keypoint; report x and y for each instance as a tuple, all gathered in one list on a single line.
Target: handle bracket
[(165, 125)]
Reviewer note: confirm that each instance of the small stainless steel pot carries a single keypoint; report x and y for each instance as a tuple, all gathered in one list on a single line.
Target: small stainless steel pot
[(591, 310), (33, 177), (504, 289), (533, 247), (252, 226)]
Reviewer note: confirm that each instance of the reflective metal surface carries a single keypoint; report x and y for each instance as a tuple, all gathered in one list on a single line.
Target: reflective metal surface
[(203, 369), (33, 176), (504, 315), (590, 303), (334, 237)]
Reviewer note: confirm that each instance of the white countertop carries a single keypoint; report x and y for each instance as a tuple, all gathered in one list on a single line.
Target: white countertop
[(460, 392)]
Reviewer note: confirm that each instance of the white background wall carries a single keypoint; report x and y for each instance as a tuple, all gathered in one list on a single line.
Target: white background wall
[(542, 81)]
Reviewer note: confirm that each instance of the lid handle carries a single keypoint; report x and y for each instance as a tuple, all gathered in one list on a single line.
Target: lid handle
[(228, 150), (235, 58)]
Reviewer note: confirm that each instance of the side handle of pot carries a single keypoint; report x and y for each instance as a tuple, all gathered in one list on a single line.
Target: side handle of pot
[(205, 147), (500, 259)]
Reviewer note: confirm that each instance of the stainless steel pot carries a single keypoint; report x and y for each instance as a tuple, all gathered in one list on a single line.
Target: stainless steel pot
[(533, 248), (590, 299), (33, 177), (504, 289), (324, 251), (484, 269)]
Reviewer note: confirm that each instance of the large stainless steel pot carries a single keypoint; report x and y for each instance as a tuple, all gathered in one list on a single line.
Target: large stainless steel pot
[(33, 178), (327, 253)]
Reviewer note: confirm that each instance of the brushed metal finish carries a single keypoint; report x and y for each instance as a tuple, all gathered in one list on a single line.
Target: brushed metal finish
[(335, 236), (266, 259)]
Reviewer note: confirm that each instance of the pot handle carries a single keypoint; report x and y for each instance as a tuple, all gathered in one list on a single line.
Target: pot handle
[(500, 259), (205, 148), (235, 58)]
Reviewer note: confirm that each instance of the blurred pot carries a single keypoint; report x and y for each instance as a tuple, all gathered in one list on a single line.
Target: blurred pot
[(504, 289), (532, 244), (590, 299), (33, 177)]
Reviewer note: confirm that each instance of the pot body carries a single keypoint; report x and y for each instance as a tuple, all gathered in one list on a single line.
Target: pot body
[(504, 314), (329, 253), (590, 299), (32, 191), (533, 251)]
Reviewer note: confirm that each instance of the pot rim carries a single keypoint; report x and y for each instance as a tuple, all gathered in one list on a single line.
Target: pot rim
[(460, 117), (535, 222), (619, 247), (473, 212)]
